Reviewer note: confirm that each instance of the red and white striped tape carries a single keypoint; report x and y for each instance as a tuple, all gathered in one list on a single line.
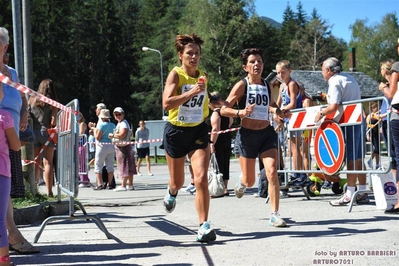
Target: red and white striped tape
[(160, 140), (27, 162), (4, 79), (225, 131), (345, 115)]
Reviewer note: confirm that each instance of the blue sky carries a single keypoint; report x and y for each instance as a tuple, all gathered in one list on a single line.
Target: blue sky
[(339, 14)]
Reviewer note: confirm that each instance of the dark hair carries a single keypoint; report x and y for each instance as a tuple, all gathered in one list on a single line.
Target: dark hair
[(47, 89), (247, 52), (183, 40), (215, 96)]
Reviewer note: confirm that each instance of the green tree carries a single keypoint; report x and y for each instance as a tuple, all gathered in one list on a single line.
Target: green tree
[(80, 47), (268, 38), (289, 28), (310, 45), (300, 15), (374, 43), (156, 27), (225, 27)]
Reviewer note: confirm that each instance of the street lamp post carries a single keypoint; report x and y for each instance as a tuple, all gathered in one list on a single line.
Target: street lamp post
[(160, 56)]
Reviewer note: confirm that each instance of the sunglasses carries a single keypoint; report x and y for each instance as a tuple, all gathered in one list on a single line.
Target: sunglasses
[(117, 114)]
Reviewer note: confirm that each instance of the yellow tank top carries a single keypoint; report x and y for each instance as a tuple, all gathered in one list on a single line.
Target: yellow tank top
[(194, 111)]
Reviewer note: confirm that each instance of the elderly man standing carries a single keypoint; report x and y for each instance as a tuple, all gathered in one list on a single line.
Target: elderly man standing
[(99, 107), (343, 87)]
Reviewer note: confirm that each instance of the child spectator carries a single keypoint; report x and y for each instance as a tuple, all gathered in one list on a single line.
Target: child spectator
[(92, 146), (8, 140), (289, 98)]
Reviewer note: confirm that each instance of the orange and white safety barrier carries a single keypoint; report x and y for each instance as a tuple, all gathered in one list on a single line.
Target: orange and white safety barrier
[(4, 79), (345, 115)]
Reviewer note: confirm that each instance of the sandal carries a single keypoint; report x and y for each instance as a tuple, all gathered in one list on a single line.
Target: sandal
[(98, 188), (24, 247)]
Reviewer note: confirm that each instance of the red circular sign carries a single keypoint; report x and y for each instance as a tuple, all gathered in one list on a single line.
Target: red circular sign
[(329, 147)]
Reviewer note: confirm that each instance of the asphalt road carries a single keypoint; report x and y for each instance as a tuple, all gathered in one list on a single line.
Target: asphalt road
[(143, 234)]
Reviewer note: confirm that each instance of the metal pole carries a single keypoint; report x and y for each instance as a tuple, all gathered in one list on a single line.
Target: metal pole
[(18, 47), (26, 26), (160, 56)]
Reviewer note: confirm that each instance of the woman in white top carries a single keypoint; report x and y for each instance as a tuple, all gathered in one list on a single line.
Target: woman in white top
[(391, 91), (124, 152)]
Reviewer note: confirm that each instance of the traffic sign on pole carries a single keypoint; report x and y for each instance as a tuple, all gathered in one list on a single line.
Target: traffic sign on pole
[(329, 147)]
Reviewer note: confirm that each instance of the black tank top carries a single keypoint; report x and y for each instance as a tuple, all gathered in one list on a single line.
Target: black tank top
[(243, 100)]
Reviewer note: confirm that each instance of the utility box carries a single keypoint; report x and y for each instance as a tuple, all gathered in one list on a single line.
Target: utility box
[(156, 128)]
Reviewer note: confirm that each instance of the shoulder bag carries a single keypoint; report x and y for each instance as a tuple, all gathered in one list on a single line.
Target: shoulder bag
[(215, 178)]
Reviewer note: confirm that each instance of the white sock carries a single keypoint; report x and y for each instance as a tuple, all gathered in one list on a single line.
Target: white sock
[(362, 187), (350, 191)]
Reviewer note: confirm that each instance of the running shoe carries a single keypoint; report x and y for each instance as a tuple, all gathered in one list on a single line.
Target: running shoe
[(169, 202), (205, 233), (362, 198), (276, 221), (341, 201), (239, 190), (138, 173), (190, 188)]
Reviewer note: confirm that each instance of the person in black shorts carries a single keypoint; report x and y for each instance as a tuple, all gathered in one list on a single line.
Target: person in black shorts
[(143, 149), (256, 137), (186, 133)]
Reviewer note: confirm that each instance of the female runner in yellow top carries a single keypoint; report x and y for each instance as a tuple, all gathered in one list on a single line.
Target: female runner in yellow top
[(186, 98)]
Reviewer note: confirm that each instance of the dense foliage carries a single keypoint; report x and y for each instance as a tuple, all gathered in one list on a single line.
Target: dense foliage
[(92, 49)]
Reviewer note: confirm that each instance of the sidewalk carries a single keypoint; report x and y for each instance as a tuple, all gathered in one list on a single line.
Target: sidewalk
[(144, 234)]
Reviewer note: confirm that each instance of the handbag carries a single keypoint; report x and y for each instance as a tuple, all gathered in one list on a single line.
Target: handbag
[(215, 178), (385, 190), (127, 138)]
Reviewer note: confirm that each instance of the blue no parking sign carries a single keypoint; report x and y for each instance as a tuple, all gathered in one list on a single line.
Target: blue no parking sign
[(329, 147)]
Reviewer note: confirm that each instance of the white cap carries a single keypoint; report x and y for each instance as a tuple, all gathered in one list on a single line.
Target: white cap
[(118, 110), (101, 106)]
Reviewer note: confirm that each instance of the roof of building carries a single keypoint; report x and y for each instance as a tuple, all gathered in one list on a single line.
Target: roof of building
[(314, 82)]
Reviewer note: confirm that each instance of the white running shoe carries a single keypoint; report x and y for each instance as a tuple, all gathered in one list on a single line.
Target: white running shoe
[(169, 202), (205, 233), (190, 188), (239, 190), (277, 221)]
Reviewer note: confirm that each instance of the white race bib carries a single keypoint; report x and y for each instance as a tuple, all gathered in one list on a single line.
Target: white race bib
[(258, 95), (192, 110)]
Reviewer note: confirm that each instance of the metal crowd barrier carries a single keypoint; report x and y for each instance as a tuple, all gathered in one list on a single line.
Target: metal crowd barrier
[(302, 123), (68, 170)]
